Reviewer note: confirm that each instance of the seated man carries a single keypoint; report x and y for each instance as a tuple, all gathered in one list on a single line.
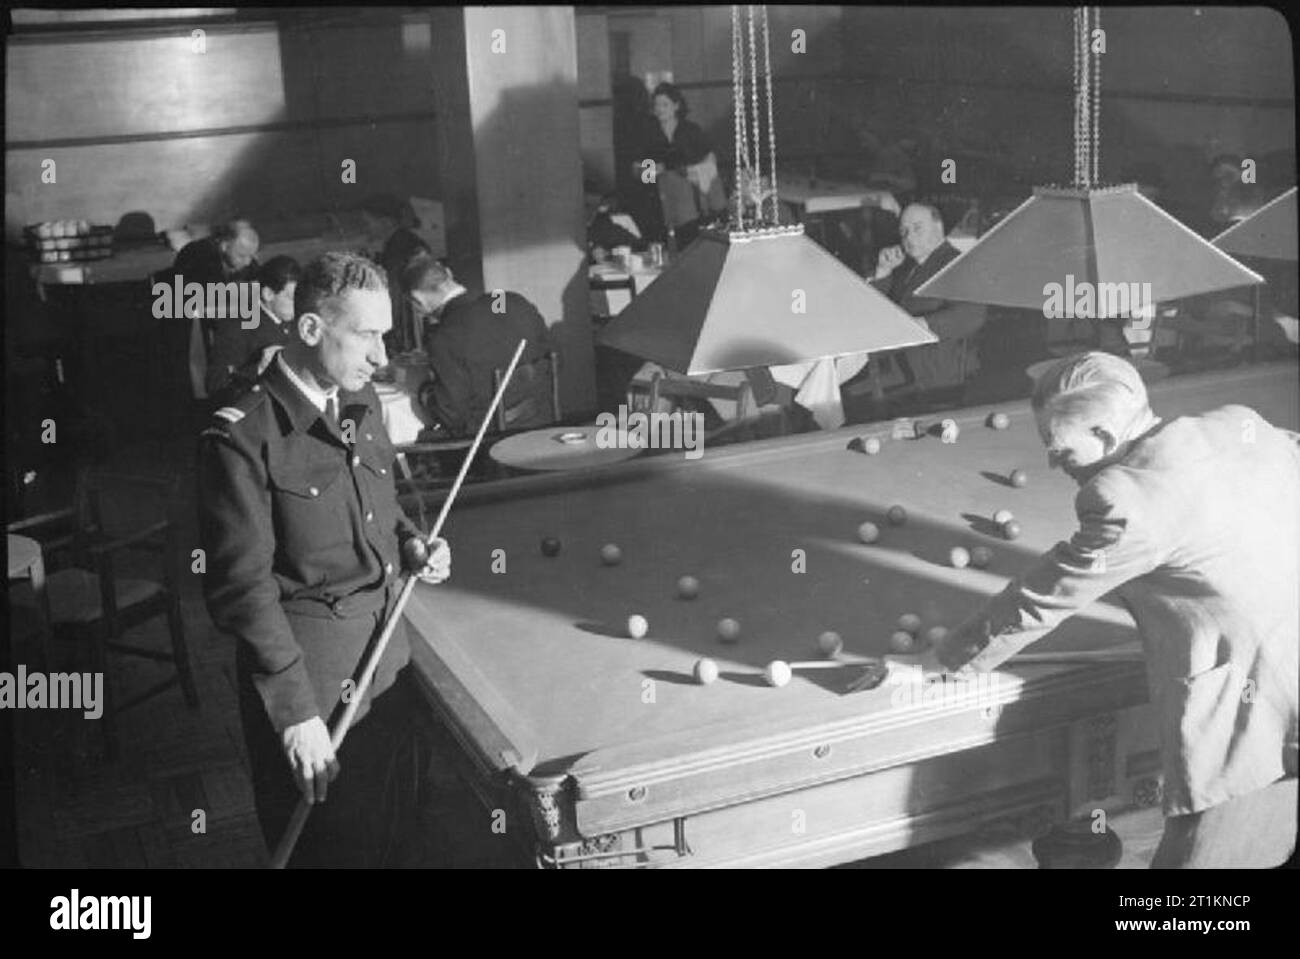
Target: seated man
[(253, 350), (388, 223), (1193, 523), (900, 270), (469, 336), (228, 255)]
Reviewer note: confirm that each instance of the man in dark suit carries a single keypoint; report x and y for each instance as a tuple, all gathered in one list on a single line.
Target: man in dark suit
[(388, 224), (228, 255), (900, 271), (1194, 524), (303, 538), (470, 336)]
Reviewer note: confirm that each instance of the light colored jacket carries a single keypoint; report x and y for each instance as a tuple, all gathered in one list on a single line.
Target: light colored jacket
[(1197, 529)]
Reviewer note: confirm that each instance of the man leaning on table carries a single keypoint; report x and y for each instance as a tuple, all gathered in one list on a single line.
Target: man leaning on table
[(1195, 523)]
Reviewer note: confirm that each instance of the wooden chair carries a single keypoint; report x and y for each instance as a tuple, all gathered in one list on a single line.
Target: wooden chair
[(411, 480), (91, 604)]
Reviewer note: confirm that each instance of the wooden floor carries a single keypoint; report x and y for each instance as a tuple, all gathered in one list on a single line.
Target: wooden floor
[(76, 810)]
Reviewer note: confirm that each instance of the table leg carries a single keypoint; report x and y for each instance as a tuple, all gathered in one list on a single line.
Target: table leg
[(37, 573)]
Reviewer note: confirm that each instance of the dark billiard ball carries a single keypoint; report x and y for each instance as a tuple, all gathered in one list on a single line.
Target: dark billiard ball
[(897, 515), (902, 642), (688, 587), (1019, 478), (999, 421), (550, 546), (981, 556), (610, 554), (728, 630), (1010, 529)]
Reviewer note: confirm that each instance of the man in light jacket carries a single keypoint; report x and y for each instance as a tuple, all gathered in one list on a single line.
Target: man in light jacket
[(1196, 524)]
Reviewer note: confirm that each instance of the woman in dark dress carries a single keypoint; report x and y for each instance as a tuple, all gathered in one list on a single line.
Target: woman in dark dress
[(686, 170)]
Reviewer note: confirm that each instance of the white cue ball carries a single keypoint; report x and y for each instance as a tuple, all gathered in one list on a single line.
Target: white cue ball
[(637, 626), (959, 557), (868, 532), (909, 622), (778, 673), (706, 671), (830, 643), (1003, 516), (610, 554), (688, 587), (728, 630), (902, 642)]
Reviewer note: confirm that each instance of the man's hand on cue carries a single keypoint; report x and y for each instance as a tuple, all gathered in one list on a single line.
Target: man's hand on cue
[(311, 757), (430, 567)]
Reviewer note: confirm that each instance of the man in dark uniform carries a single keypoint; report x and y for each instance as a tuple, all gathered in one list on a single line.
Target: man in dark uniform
[(470, 336), (277, 281), (303, 538), (900, 271)]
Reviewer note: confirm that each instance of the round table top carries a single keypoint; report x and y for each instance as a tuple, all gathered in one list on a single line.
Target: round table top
[(559, 448), (23, 553)]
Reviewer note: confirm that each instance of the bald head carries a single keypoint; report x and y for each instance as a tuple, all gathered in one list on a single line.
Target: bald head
[(921, 230), (239, 243)]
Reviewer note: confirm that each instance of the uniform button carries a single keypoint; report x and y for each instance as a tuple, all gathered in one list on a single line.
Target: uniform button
[(257, 389), (382, 471), (314, 491), (388, 569), (356, 461), (370, 517), (369, 437)]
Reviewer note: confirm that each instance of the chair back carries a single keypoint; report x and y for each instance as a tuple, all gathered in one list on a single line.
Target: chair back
[(539, 384)]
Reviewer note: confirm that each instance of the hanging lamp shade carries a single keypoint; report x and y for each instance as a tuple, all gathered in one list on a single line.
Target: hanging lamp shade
[(1098, 235), (1268, 233), (733, 301)]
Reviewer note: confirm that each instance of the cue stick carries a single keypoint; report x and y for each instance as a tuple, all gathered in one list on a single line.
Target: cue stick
[(1079, 656), (284, 848)]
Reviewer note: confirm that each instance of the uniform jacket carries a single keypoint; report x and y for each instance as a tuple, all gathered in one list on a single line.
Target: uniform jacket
[(1197, 529), (295, 518), (939, 364), (468, 344)]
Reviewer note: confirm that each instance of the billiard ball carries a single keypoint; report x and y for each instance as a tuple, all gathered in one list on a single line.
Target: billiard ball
[(728, 630), (999, 421), (1002, 517), (1010, 529), (868, 532), (688, 587), (706, 671), (949, 432), (550, 546), (935, 635), (637, 626), (897, 515), (981, 556), (959, 557), (830, 643), (902, 642), (910, 623), (610, 554), (871, 446), (777, 673), (1019, 479)]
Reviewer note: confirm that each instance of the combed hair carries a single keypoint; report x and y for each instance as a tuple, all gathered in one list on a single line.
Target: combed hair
[(424, 273), (1099, 388), (330, 275), (278, 272)]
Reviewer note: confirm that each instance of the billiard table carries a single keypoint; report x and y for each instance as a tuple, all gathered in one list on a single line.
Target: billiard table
[(590, 748)]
